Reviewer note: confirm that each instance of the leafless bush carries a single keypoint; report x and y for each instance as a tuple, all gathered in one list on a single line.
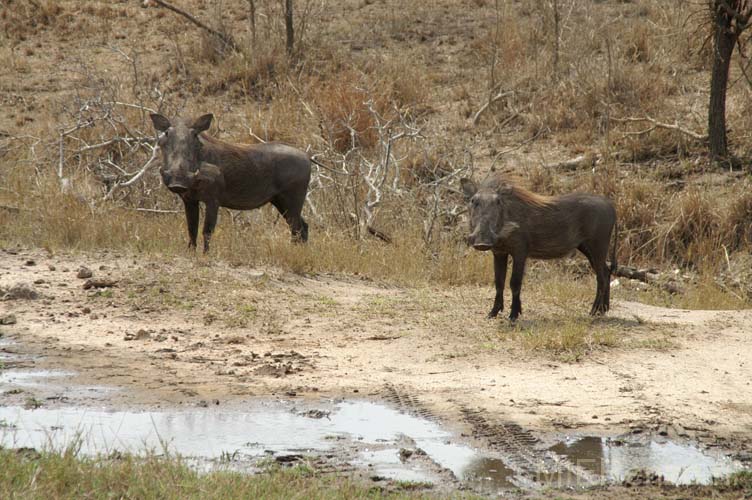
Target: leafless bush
[(361, 180)]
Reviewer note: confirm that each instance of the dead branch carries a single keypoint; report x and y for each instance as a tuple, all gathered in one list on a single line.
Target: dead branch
[(12, 209), (223, 37), (656, 124), (156, 211), (379, 234), (581, 161), (644, 275), (500, 95), (135, 178)]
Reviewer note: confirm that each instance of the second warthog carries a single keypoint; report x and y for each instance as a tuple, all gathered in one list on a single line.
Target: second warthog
[(201, 168), (509, 220)]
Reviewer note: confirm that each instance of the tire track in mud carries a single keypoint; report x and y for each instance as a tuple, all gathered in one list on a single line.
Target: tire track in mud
[(407, 403), (519, 449)]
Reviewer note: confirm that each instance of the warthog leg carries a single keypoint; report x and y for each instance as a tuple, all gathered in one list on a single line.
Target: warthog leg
[(191, 217), (210, 221), (515, 283), (500, 278), (597, 259), (290, 210)]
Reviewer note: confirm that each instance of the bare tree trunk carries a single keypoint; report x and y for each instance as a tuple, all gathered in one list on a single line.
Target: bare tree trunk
[(290, 30), (557, 36), (724, 40), (252, 21)]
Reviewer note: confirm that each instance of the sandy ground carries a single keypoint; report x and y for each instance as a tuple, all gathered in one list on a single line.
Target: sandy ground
[(263, 332)]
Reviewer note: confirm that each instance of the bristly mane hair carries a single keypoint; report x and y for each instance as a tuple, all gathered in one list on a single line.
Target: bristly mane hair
[(530, 198), (226, 147)]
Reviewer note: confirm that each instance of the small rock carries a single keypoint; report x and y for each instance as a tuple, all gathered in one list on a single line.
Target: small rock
[(139, 335), (30, 262), (287, 459), (99, 283), (51, 267), (84, 273), (40, 281), (316, 414), (8, 319), (21, 291)]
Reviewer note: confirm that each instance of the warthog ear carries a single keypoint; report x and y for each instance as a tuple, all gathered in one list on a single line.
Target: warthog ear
[(202, 123), (160, 122), (468, 188)]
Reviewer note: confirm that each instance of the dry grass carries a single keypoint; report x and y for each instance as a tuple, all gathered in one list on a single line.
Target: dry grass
[(615, 59)]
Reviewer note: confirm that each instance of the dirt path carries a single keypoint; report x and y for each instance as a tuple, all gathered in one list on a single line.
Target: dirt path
[(182, 331)]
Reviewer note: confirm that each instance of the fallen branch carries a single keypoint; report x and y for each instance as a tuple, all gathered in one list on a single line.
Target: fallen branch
[(156, 211), (12, 209), (585, 160), (644, 275), (649, 276), (379, 234), (224, 38), (656, 124), (500, 95)]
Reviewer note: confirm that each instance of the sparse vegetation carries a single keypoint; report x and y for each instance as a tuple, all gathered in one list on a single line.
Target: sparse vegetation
[(571, 86), (30, 474)]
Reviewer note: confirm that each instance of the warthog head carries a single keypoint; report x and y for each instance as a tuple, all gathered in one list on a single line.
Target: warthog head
[(181, 150), (488, 221)]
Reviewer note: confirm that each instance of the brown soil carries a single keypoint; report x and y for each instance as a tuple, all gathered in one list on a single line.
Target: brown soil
[(426, 349)]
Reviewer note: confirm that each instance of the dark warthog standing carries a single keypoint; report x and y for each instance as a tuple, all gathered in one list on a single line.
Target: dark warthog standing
[(199, 167), (509, 220)]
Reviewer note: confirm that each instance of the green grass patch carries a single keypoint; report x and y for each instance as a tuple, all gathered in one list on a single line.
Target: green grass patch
[(566, 339), (29, 474)]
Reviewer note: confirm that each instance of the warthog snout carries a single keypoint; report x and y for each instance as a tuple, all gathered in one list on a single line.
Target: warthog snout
[(481, 241), (179, 183), (177, 188)]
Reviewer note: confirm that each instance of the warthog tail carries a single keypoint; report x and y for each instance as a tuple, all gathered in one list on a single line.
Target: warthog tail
[(614, 265)]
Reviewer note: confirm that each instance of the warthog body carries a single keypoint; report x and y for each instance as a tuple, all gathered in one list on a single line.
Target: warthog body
[(200, 168), (509, 220)]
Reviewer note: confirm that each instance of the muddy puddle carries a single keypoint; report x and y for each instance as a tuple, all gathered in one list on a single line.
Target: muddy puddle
[(370, 438), (615, 459)]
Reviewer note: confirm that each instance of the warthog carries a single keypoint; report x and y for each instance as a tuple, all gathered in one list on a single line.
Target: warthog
[(509, 220), (201, 168)]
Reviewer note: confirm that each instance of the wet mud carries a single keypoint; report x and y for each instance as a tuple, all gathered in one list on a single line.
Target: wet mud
[(394, 438)]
